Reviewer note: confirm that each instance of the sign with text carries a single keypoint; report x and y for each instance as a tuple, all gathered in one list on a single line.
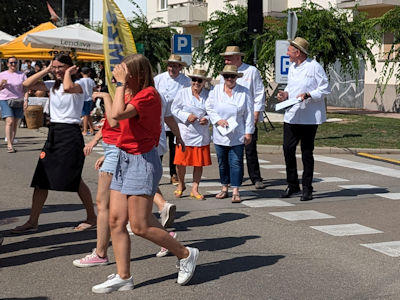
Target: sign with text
[(282, 61), (182, 44)]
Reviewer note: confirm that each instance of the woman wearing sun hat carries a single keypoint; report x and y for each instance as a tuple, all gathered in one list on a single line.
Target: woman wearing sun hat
[(189, 108), (231, 113)]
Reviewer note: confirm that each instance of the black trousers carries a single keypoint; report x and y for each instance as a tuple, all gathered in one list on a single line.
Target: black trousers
[(171, 146), (253, 167), (292, 135)]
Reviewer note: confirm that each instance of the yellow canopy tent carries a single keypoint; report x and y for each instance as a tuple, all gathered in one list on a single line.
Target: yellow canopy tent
[(17, 48)]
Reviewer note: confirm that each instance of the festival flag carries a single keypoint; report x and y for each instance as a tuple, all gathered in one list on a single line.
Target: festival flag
[(117, 41), (53, 16)]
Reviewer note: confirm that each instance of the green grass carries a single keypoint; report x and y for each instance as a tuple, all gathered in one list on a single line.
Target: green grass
[(354, 131)]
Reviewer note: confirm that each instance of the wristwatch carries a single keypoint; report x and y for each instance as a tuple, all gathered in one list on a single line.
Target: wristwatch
[(119, 83), (307, 95)]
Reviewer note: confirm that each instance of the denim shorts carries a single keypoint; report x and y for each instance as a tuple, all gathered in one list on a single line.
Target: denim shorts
[(7, 111), (137, 174), (111, 153), (87, 108)]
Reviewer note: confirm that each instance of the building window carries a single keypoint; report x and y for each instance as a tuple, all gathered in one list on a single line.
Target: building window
[(163, 4)]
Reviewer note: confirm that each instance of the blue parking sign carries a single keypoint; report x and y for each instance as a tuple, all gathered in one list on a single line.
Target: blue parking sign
[(182, 44)]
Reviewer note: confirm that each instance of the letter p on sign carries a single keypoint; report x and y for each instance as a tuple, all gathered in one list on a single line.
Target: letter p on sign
[(182, 44)]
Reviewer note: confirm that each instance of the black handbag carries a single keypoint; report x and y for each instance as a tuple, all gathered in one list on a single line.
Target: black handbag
[(16, 103)]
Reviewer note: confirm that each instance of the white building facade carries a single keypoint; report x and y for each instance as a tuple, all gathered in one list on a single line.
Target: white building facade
[(190, 13)]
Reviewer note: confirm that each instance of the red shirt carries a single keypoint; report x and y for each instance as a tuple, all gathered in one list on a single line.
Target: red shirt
[(141, 133), (110, 135)]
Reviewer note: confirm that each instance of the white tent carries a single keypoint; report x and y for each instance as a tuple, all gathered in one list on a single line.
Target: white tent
[(75, 36), (5, 37)]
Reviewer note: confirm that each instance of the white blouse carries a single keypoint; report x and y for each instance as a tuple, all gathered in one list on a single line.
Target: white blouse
[(64, 107), (193, 134), (220, 106)]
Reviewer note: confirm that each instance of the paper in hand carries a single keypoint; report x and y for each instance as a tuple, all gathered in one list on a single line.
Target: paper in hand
[(232, 124), (287, 103)]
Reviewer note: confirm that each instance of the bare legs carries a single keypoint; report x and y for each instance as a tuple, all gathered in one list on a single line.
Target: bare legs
[(197, 172), (103, 203), (39, 198), (87, 125), (11, 130), (143, 223), (181, 172)]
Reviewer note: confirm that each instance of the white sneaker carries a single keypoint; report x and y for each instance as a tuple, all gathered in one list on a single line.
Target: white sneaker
[(187, 266), (164, 251), (128, 227), (113, 283), (167, 214)]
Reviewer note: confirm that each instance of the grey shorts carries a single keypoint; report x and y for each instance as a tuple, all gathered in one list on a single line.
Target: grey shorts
[(137, 174), (111, 153)]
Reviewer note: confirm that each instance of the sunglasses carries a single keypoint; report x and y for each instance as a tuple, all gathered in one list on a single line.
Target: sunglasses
[(12, 62), (227, 76), (199, 80)]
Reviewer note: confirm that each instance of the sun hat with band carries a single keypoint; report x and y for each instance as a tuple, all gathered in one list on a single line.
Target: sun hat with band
[(173, 58), (300, 43), (231, 69), (232, 50), (199, 73)]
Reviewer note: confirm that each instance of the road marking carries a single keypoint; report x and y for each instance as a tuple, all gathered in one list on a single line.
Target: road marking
[(301, 215), (266, 203), (358, 166), (379, 158), (329, 179), (389, 248), (261, 161), (346, 229), (273, 166), (299, 172), (359, 186), (391, 196), (98, 149)]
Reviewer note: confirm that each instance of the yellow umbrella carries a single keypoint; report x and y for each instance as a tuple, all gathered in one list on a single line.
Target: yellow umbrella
[(17, 48)]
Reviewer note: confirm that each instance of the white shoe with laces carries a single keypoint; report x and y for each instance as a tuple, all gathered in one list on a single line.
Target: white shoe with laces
[(187, 266), (113, 283)]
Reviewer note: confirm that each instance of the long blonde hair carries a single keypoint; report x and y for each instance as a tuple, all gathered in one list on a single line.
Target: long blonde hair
[(139, 68)]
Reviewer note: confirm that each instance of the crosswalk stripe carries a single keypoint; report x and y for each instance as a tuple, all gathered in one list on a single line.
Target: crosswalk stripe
[(273, 167), (359, 186), (346, 229), (391, 196), (389, 248), (301, 215), (329, 179), (358, 166), (266, 203)]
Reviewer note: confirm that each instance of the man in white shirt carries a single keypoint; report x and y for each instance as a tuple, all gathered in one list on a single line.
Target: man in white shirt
[(168, 84), (252, 80), (306, 81)]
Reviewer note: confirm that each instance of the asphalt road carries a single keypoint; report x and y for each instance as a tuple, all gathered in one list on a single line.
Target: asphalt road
[(344, 244)]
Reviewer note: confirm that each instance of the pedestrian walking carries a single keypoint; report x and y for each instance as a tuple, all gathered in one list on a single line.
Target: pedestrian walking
[(168, 84), (189, 109), (252, 80), (61, 160), (137, 107), (13, 100), (307, 82), (231, 113)]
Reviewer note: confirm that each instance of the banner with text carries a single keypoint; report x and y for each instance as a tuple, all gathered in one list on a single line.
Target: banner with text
[(118, 40)]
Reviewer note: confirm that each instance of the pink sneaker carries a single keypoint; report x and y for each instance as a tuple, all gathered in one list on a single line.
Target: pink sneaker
[(90, 260), (164, 251)]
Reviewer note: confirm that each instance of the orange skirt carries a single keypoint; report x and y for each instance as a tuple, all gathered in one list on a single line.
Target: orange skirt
[(193, 156)]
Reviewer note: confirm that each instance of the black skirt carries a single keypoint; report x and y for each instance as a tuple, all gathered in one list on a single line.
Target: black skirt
[(61, 161)]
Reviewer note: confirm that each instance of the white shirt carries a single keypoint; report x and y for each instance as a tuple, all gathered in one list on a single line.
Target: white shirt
[(219, 106), (165, 112), (308, 77), (64, 107), (193, 134), (169, 87), (252, 80), (87, 85)]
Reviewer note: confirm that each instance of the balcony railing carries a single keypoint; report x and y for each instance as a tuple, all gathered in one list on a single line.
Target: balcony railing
[(188, 13)]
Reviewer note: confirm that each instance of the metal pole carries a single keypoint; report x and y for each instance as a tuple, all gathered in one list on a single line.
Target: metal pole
[(62, 12), (255, 52)]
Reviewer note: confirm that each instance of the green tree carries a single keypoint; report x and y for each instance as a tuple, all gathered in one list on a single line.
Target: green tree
[(156, 41)]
